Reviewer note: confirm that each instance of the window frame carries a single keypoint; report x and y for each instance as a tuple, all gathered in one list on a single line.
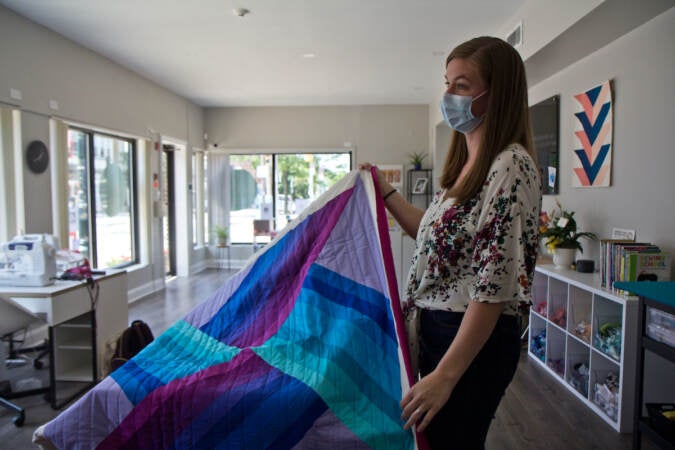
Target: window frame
[(199, 191), (91, 195), (274, 154)]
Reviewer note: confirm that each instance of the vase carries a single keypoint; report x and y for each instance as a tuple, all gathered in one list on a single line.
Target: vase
[(563, 257)]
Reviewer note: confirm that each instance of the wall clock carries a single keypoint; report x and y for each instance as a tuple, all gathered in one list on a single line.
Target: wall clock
[(37, 157)]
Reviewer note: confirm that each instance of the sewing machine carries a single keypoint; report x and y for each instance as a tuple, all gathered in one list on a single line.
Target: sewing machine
[(28, 260)]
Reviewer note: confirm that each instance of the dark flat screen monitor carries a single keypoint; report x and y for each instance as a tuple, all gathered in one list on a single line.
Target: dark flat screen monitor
[(545, 117)]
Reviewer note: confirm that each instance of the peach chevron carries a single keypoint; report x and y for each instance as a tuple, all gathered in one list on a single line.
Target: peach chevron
[(593, 137)]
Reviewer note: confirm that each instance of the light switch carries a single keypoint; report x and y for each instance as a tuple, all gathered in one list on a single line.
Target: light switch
[(53, 104), (15, 94)]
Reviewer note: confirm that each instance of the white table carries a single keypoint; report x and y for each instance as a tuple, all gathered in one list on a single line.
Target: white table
[(67, 307)]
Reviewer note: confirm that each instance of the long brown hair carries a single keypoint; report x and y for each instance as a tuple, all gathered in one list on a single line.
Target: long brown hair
[(507, 120)]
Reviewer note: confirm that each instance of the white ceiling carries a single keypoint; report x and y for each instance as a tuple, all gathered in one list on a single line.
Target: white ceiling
[(367, 51)]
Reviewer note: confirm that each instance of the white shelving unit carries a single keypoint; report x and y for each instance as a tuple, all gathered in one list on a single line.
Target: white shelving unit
[(74, 348), (564, 300)]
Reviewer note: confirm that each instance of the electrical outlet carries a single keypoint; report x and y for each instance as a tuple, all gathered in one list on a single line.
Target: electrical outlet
[(53, 104), (15, 94)]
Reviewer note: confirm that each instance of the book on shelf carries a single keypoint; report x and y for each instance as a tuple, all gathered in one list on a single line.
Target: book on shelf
[(625, 252), (648, 266), (622, 260), (607, 252)]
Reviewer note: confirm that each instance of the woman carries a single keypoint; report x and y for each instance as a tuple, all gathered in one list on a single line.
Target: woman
[(476, 248)]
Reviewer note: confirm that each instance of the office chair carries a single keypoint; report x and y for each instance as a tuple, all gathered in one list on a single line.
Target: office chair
[(14, 353), (13, 318)]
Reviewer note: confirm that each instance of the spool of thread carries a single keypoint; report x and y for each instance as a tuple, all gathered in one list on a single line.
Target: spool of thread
[(585, 265)]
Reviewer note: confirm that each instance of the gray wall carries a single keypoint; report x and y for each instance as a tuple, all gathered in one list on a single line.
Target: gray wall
[(382, 134), (87, 86), (641, 67), (91, 90), (36, 188)]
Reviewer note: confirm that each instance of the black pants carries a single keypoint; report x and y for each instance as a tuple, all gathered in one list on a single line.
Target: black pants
[(463, 422)]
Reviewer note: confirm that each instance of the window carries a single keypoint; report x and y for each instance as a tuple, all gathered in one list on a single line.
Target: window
[(101, 198), (278, 186), (11, 204), (205, 200), (196, 159), (199, 205)]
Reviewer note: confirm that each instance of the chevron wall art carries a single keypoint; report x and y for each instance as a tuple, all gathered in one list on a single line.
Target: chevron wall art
[(592, 158)]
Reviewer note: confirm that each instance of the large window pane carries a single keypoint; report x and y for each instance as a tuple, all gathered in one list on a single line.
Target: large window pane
[(196, 159), (278, 187), (302, 178), (198, 189), (101, 222), (112, 180), (251, 194), (205, 198)]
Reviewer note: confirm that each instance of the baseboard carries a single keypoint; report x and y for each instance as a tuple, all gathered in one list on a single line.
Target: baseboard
[(199, 266), (235, 264), (141, 291)]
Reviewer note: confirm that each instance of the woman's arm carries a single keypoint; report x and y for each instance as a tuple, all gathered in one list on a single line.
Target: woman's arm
[(426, 398), (406, 214)]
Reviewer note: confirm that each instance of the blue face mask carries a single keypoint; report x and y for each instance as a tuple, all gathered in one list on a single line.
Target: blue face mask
[(457, 113)]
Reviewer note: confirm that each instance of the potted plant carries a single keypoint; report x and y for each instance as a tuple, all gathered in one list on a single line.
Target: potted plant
[(562, 237), (416, 159), (222, 233)]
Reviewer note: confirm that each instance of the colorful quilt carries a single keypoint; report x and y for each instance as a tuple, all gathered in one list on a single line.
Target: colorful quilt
[(300, 349)]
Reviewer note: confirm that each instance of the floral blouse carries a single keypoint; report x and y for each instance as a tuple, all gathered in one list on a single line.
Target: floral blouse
[(485, 248)]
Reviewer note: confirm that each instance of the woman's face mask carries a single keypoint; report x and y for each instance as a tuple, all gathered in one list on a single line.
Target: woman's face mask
[(457, 113)]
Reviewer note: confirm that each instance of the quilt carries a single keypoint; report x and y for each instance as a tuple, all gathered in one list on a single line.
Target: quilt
[(304, 348)]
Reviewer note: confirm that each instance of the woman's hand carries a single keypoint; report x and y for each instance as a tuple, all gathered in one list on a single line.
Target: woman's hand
[(381, 182), (406, 214), (425, 399)]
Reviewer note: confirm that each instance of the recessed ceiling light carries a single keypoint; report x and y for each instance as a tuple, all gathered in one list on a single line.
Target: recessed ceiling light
[(240, 12), (309, 55)]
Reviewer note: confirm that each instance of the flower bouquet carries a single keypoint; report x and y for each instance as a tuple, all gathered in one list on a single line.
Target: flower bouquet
[(560, 231)]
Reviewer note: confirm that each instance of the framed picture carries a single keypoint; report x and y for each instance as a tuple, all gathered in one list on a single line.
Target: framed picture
[(393, 174), (420, 186)]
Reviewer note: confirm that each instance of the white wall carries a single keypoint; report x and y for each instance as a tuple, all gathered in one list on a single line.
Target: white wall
[(381, 134), (90, 90), (641, 67), (88, 87), (544, 20), (558, 34)]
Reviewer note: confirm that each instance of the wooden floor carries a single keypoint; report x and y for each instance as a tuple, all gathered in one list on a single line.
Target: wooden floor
[(536, 412)]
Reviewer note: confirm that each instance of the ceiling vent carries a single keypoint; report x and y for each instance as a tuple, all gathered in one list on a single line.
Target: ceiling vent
[(515, 37)]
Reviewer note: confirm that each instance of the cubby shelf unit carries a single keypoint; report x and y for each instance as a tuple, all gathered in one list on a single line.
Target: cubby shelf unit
[(575, 309)]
